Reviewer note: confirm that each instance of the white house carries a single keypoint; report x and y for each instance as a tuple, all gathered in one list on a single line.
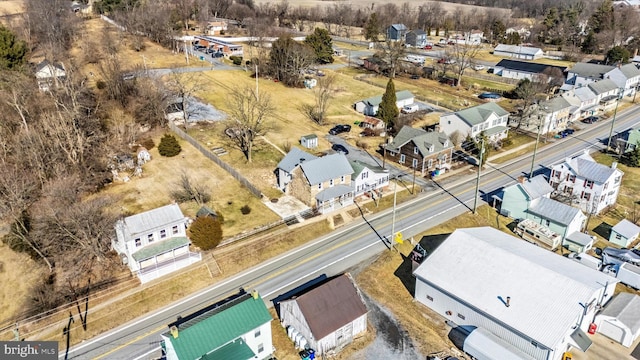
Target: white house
[(592, 186), (624, 233), (290, 161), (49, 75), (238, 328), (607, 93), (367, 178), (370, 106), (556, 114), (625, 77), (619, 320), (518, 52), (328, 317), (584, 102), (582, 74), (489, 118), (561, 218), (537, 303), (578, 242), (154, 243)]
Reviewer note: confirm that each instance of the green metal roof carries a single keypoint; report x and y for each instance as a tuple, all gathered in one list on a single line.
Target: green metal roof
[(160, 247), (358, 166), (495, 130), (216, 328), (235, 350)]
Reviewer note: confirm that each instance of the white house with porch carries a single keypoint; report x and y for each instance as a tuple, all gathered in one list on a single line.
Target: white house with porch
[(367, 178), (489, 118), (154, 243)]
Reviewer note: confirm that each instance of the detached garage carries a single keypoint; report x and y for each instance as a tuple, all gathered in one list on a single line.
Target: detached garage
[(620, 319)]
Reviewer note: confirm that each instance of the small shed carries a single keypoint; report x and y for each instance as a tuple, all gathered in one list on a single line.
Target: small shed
[(309, 141), (578, 242), (143, 155), (624, 233), (372, 123), (620, 319), (206, 211)]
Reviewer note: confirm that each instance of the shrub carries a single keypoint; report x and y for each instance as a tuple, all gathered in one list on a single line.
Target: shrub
[(100, 84), (205, 232), (148, 143), (169, 146), (245, 210), (237, 60)]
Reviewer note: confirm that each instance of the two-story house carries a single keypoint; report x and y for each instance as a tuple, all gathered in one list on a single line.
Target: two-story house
[(237, 328), (371, 105), (424, 151), (154, 243), (607, 93), (290, 161), (416, 38), (367, 179), (626, 77), (584, 102), (488, 118), (323, 183), (582, 74), (397, 32), (592, 186), (556, 114)]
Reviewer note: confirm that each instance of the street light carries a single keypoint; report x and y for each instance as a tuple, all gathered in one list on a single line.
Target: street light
[(613, 121)]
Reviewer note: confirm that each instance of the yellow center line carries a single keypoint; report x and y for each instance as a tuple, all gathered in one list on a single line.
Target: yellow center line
[(130, 342)]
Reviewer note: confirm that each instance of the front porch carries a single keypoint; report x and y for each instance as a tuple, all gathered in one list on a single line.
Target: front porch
[(159, 269), (334, 198), (163, 257)]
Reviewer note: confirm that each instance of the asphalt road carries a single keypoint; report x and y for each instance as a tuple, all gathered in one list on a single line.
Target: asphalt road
[(345, 247)]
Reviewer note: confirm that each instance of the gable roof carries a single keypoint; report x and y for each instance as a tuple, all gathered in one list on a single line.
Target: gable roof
[(626, 308), (592, 71), (330, 306), (583, 94), (557, 103), (603, 86), (46, 63), (400, 95), (526, 66), (399, 27), (554, 210), (579, 238), (535, 187), (518, 49), (422, 139), (626, 228), (325, 168), (480, 113), (479, 265), (417, 32), (294, 158), (205, 211), (585, 167), (358, 166), (216, 325), (629, 71), (152, 219)]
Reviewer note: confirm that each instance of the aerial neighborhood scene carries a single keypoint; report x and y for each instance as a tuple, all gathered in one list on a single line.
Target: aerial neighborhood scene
[(306, 179)]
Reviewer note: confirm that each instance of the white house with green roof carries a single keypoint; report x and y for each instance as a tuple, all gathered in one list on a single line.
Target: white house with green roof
[(154, 243), (237, 328), (488, 118), (367, 178), (370, 106)]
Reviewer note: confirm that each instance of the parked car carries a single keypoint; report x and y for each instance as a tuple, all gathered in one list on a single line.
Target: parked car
[(415, 77), (451, 42), (566, 132), (590, 120), (478, 67), (446, 61), (217, 54), (428, 47), (489, 95), (340, 148), (339, 129), (408, 109)]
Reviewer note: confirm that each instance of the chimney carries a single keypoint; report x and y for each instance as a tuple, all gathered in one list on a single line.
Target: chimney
[(521, 179), (174, 331), (254, 294), (508, 301)]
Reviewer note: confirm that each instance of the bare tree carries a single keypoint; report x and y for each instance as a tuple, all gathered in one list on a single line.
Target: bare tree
[(323, 93), (250, 112), (462, 56), (187, 190), (185, 87), (392, 52)]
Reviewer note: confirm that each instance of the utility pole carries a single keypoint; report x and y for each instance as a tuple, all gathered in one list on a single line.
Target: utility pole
[(257, 96), (535, 149), (613, 121), (413, 185), (475, 199), (186, 54), (393, 217)]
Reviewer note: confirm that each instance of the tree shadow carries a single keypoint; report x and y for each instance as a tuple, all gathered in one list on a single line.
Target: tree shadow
[(404, 272), (603, 230), (450, 194)]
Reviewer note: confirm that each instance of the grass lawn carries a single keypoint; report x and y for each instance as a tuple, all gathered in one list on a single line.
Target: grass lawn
[(482, 84), (517, 140)]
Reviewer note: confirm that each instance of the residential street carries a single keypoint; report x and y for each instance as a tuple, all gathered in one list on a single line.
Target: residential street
[(345, 247)]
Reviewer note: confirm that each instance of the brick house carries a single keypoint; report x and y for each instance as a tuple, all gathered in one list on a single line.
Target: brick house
[(420, 149)]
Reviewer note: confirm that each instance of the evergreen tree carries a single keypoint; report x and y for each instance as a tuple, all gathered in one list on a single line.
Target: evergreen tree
[(169, 146), (603, 18), (634, 156), (12, 50), (618, 54), (206, 232), (372, 28), (388, 110), (320, 42), (590, 43)]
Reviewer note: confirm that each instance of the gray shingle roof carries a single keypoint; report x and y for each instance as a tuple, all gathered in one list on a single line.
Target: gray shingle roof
[(152, 219), (399, 27), (418, 32), (325, 168), (584, 93), (44, 63), (629, 71), (584, 166), (626, 308), (333, 192), (479, 114), (579, 238), (293, 158), (593, 71), (422, 139), (555, 104), (553, 210), (536, 187), (517, 49), (626, 228), (400, 95), (603, 86)]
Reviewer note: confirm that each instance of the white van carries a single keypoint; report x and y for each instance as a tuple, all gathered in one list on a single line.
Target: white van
[(408, 109)]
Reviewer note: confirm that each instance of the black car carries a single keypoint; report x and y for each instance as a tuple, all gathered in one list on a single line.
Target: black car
[(566, 132), (590, 120), (339, 129), (340, 148)]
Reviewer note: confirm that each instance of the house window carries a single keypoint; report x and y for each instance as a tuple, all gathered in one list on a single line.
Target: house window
[(586, 196), (546, 222), (150, 238), (342, 179), (444, 158), (163, 234), (572, 178), (320, 186), (534, 343), (365, 174), (618, 236), (260, 348), (402, 157), (429, 163), (174, 230), (588, 184), (138, 242), (415, 150), (461, 316), (415, 163), (429, 298), (257, 333), (330, 182)]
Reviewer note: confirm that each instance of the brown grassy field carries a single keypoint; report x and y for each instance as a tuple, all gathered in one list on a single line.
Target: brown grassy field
[(11, 7)]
